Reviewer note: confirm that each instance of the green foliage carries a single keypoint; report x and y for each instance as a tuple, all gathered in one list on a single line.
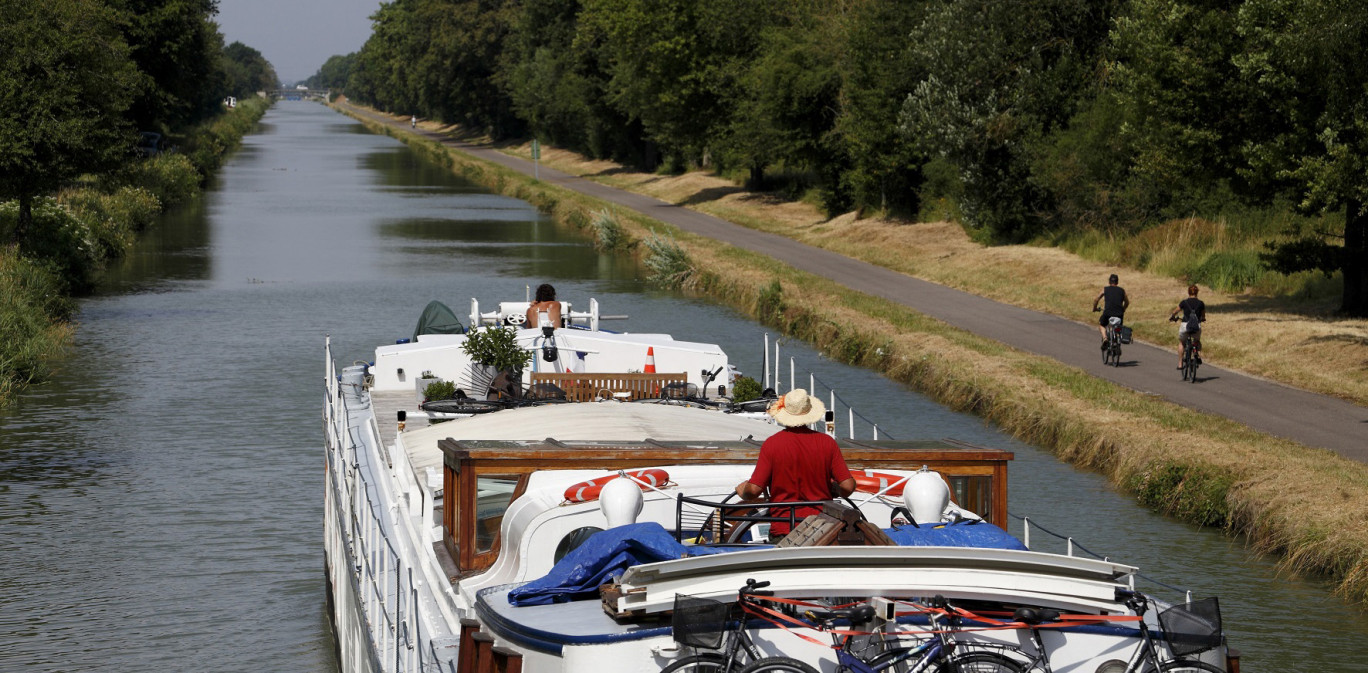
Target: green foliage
[(608, 232), (32, 306), (66, 80), (670, 266), (1229, 271), (1193, 493), (745, 389), (247, 71), (999, 76), (496, 347), (58, 239), (769, 305), (178, 50), (113, 219), (172, 178), (333, 74), (440, 390), (210, 143)]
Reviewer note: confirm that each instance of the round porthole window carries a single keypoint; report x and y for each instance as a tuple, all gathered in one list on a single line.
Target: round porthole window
[(572, 540)]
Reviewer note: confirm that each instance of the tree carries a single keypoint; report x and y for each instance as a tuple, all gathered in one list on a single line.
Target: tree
[(1000, 75), (65, 83), (333, 73), (247, 71), (1309, 63), (178, 47), (675, 64)]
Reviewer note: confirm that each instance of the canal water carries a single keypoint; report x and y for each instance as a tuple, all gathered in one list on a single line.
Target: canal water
[(161, 499)]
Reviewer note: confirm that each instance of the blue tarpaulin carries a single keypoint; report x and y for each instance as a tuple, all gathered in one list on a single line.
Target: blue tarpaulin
[(606, 554), (602, 557), (962, 534)]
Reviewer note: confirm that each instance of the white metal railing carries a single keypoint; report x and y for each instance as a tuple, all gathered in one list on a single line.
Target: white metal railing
[(1070, 546), (771, 379), (384, 585)]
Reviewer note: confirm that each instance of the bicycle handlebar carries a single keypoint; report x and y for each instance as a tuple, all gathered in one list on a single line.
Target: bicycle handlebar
[(753, 588)]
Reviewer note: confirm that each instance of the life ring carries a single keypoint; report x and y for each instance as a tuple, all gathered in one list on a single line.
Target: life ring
[(869, 481), (589, 490)]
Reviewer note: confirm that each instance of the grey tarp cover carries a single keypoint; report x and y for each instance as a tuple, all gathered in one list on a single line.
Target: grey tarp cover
[(437, 319)]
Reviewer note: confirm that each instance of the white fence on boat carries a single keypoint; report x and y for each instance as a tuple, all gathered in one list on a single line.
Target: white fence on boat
[(380, 583)]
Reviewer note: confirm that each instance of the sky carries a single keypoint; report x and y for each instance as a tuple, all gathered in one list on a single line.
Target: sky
[(297, 36)]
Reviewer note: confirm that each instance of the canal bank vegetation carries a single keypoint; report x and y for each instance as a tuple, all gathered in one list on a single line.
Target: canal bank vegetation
[(1217, 143), (1304, 505), (112, 114)]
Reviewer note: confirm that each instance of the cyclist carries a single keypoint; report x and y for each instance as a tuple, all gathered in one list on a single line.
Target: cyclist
[(1115, 305), (1194, 314), (413, 121)]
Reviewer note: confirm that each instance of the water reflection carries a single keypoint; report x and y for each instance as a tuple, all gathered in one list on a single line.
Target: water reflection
[(163, 495)]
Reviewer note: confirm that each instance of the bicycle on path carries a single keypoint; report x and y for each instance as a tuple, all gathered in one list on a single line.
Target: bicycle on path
[(1192, 357), (1112, 353)]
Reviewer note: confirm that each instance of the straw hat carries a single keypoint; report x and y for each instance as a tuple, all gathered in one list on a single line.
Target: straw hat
[(795, 408)]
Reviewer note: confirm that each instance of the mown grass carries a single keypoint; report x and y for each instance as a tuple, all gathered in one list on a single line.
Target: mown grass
[(79, 230), (1204, 469)]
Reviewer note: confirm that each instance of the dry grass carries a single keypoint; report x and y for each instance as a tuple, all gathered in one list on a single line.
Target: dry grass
[(1307, 505), (1273, 338)]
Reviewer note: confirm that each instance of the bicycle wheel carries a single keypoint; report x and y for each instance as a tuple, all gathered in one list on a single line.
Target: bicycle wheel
[(1187, 666), (778, 665), (980, 662), (710, 662)]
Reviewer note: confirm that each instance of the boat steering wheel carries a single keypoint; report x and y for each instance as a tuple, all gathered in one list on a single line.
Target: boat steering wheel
[(516, 318)]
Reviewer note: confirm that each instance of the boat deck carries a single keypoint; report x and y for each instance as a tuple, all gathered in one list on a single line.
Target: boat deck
[(387, 404)]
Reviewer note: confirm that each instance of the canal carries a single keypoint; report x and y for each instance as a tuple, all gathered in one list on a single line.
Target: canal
[(161, 499)]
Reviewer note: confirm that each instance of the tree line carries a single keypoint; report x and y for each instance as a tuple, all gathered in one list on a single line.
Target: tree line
[(1029, 117), (79, 79)]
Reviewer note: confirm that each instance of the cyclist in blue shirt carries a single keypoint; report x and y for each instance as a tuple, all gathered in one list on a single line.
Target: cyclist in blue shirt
[(1194, 314), (1115, 304)]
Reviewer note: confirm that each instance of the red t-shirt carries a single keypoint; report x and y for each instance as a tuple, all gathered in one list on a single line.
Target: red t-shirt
[(798, 464)]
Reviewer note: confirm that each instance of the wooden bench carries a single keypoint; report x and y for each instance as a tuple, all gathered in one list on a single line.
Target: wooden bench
[(589, 386)]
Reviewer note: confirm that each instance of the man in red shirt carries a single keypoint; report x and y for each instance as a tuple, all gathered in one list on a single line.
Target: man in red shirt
[(797, 463)]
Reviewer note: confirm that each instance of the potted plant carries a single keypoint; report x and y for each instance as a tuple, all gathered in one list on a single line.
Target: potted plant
[(496, 349), (422, 382)]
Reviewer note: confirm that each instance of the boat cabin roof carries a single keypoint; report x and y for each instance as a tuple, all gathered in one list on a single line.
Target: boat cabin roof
[(471, 466)]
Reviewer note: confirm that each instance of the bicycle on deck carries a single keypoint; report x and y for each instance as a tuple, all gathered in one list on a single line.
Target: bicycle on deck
[(879, 650), (702, 623)]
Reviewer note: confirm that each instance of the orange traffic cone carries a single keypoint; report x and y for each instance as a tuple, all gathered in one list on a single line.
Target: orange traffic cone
[(650, 360)]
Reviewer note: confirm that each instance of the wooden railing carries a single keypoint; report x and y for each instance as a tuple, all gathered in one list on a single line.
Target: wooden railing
[(586, 387)]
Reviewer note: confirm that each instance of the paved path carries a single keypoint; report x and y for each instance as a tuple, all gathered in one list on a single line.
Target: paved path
[(1312, 419)]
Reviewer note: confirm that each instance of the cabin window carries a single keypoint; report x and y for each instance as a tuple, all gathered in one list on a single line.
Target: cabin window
[(493, 493), (974, 494)]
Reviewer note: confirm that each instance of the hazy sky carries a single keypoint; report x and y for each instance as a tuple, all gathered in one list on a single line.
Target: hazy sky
[(297, 36)]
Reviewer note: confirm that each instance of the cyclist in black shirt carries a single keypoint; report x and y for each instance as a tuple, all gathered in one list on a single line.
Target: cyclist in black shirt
[(1194, 314), (1115, 305)]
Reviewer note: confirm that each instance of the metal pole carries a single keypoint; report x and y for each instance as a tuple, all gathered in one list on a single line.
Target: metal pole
[(791, 386), (776, 366), (765, 382)]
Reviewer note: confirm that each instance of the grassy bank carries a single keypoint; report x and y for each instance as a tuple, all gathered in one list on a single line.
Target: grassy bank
[(81, 229), (1305, 505)]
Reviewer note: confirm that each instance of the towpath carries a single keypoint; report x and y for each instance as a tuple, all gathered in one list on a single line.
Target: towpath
[(1312, 419)]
